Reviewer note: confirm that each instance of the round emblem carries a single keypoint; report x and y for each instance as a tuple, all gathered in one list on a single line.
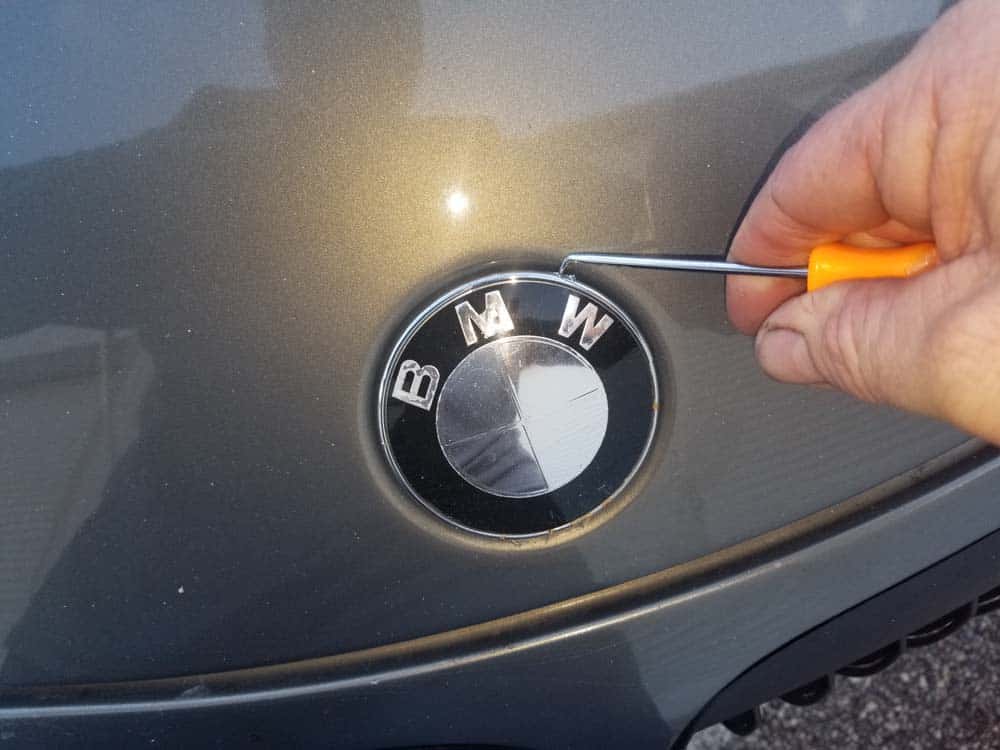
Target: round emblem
[(518, 404)]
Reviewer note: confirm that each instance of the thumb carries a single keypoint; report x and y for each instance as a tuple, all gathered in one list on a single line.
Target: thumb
[(927, 344), (852, 336)]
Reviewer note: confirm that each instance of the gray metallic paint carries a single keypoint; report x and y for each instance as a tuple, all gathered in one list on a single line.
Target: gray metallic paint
[(629, 667), (207, 492)]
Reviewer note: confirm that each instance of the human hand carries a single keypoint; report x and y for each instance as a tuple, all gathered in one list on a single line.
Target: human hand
[(913, 157)]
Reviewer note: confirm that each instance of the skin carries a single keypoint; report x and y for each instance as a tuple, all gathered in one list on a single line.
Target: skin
[(913, 157)]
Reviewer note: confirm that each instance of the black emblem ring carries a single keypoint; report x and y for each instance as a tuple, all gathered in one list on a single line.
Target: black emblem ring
[(517, 404)]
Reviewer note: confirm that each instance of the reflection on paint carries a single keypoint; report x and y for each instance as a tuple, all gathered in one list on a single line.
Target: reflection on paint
[(457, 204)]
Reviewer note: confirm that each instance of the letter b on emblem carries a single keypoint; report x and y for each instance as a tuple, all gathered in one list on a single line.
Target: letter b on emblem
[(409, 384)]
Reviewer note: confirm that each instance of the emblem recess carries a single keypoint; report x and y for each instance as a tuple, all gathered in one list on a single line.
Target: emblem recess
[(518, 403)]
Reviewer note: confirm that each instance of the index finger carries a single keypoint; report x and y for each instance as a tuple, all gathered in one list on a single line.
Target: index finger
[(823, 189)]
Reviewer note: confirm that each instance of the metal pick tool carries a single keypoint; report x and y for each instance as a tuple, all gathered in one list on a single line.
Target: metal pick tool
[(827, 263)]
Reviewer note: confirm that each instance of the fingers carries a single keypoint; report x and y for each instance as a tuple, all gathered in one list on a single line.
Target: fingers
[(859, 337), (927, 344), (822, 190), (914, 155)]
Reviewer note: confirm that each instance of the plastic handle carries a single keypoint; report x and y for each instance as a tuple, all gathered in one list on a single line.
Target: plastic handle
[(836, 262)]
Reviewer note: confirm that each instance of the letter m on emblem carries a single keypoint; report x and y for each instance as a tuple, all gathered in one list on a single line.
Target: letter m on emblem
[(593, 328), (493, 320)]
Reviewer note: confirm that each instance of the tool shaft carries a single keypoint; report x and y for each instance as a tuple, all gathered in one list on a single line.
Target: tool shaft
[(695, 263)]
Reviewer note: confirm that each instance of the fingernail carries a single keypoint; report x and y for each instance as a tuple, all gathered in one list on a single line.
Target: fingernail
[(742, 287), (784, 355)]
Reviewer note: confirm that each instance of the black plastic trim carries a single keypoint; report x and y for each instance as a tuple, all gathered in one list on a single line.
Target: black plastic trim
[(859, 635)]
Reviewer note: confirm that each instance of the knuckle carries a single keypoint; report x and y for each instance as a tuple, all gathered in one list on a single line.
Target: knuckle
[(848, 359), (962, 349)]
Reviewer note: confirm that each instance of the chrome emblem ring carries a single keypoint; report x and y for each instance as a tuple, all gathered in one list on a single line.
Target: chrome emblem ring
[(518, 404)]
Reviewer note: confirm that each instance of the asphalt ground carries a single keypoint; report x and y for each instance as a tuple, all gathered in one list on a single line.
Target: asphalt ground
[(943, 696)]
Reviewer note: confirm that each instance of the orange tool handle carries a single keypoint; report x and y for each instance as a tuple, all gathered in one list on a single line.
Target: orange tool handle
[(838, 262)]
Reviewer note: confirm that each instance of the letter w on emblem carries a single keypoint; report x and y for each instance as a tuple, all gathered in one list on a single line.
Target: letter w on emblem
[(493, 320), (410, 392), (572, 320)]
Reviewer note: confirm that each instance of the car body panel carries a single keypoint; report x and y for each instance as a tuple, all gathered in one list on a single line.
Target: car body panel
[(208, 253)]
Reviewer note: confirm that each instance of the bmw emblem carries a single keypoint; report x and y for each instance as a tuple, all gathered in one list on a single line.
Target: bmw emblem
[(518, 404)]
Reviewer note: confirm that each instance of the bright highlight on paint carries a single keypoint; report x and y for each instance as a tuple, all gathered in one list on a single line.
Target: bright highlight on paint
[(457, 203)]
